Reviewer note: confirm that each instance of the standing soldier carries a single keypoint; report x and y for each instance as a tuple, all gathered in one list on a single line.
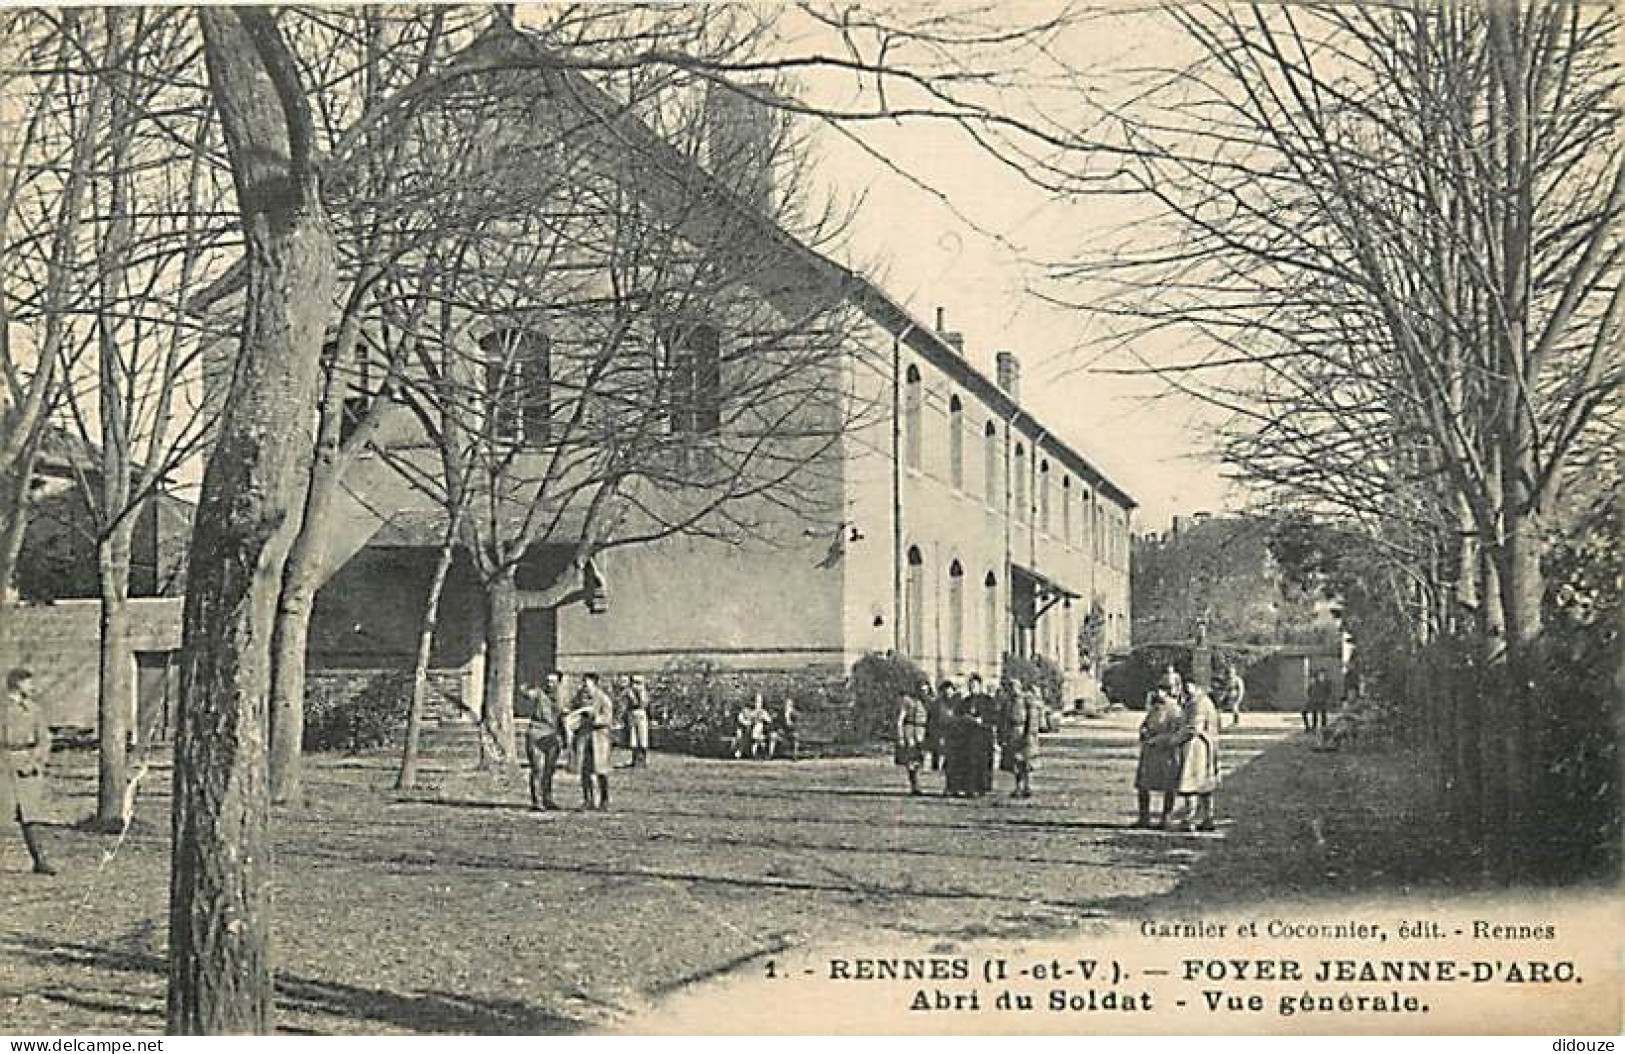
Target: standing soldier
[(1026, 722), (909, 751), (1231, 692), (543, 742), (637, 721), (595, 711), (25, 748)]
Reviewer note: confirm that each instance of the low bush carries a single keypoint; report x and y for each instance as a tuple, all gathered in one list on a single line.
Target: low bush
[(340, 717), (877, 682), (1040, 671), (694, 703)]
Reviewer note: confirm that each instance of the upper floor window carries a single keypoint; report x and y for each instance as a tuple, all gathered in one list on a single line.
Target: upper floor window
[(518, 386), (990, 466), (956, 443), (1043, 496), (1019, 470), (912, 398), (694, 370), (1066, 509)]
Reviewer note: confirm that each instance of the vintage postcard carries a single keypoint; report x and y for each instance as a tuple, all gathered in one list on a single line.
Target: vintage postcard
[(811, 518)]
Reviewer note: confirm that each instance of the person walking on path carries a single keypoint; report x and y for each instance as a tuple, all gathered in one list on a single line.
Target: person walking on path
[(637, 721), (25, 749), (1026, 722), (1198, 757), (595, 711), (1158, 768), (1231, 692), (908, 750), (544, 741), (1319, 703)]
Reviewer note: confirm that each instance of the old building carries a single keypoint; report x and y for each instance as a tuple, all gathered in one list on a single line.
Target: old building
[(921, 510)]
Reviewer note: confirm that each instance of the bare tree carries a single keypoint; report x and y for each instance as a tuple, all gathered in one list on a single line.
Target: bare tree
[(1395, 234), (220, 969)]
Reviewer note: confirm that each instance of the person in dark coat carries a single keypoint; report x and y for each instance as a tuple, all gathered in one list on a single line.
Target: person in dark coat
[(939, 712), (783, 739), (956, 751), (1319, 704), (25, 749), (1158, 768), (544, 741), (983, 713)]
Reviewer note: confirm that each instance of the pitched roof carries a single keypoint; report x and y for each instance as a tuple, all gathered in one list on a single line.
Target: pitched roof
[(506, 46)]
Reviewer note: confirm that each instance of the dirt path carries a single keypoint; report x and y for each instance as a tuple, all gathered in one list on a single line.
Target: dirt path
[(463, 911)]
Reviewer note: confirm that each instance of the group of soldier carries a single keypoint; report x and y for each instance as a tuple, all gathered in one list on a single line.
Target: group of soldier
[(762, 734), (579, 731), (1179, 751), (961, 728)]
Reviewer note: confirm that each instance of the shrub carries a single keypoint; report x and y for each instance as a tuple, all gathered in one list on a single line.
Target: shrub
[(694, 702), (1039, 671), (877, 681), (338, 717)]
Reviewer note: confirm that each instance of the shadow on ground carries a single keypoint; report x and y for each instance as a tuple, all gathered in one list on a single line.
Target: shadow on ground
[(303, 1005)]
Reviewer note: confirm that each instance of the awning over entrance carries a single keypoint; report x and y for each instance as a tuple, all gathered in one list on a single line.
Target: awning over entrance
[(1032, 594)]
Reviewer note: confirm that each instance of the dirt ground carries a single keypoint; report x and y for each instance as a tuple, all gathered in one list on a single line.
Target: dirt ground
[(459, 910)]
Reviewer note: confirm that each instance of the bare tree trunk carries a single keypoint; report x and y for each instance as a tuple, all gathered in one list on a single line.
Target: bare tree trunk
[(407, 779), (248, 514), (115, 684), (14, 515), (289, 648), (497, 743)]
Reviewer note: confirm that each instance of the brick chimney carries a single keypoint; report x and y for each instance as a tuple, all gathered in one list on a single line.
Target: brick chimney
[(1009, 374), (954, 338), (743, 135)]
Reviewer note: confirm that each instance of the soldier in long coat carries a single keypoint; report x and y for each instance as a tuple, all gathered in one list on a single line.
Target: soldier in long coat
[(596, 712), (1158, 769), (1027, 715), (1199, 757), (25, 749), (637, 720)]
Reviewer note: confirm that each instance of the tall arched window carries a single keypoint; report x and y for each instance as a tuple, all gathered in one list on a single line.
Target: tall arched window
[(992, 638), (956, 443), (1091, 527), (1043, 496), (990, 465), (914, 604), (1066, 509), (912, 398), (1018, 468), (956, 612), (518, 386)]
